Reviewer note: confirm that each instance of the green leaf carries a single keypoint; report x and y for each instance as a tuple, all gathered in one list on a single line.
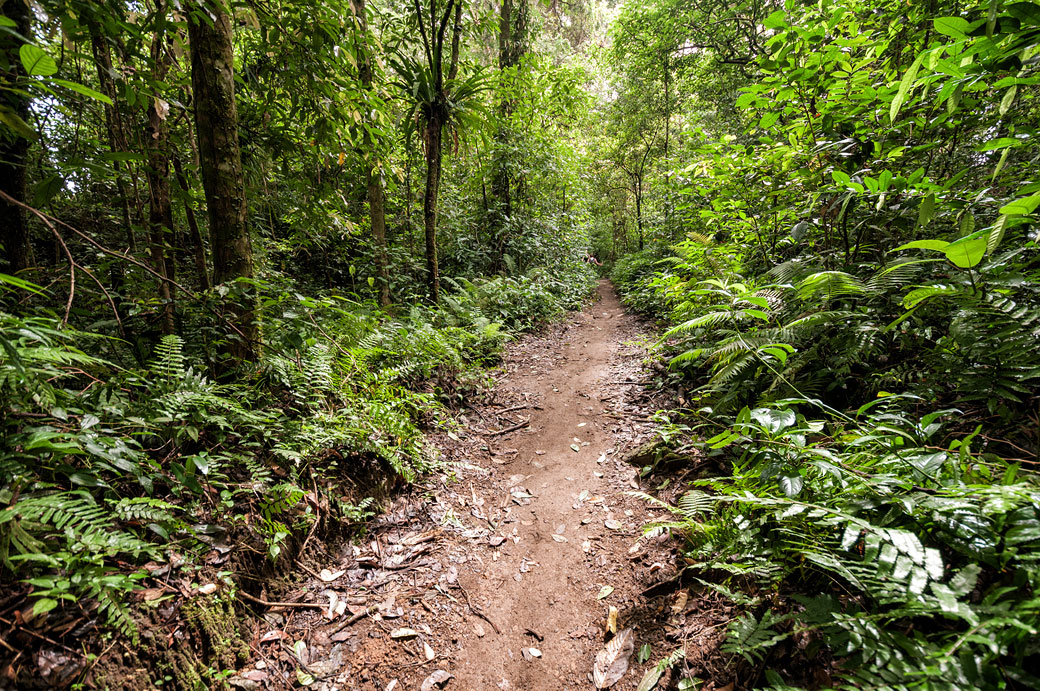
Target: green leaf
[(968, 251), (775, 20), (955, 27), (84, 90), (939, 245), (14, 122), (44, 605), (919, 295), (1025, 12), (36, 62), (996, 233), (926, 211), (905, 86), (7, 21), (650, 679), (1021, 207), (1009, 98)]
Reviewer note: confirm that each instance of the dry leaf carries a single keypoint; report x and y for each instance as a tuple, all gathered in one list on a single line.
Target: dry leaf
[(438, 678), (392, 685), (329, 576), (496, 540), (612, 619), (208, 589), (605, 591), (612, 661), (479, 630), (274, 635), (400, 634), (559, 538), (575, 448), (612, 524), (530, 653), (680, 602), (428, 651)]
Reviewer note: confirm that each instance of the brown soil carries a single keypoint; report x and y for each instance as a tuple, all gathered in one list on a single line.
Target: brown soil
[(516, 547)]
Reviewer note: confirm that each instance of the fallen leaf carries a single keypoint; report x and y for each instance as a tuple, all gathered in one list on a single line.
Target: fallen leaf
[(612, 524), (612, 619), (274, 635), (680, 602), (329, 576), (391, 686), (605, 591), (559, 538), (575, 447), (650, 679), (300, 648), (612, 662), (404, 633), (479, 630), (428, 651), (208, 588), (496, 540), (438, 678), (304, 678), (530, 653)]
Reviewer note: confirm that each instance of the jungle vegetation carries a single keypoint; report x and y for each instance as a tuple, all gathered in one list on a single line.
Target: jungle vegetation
[(252, 251)]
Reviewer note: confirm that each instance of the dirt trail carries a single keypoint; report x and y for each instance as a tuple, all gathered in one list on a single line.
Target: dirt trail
[(558, 595), (525, 543)]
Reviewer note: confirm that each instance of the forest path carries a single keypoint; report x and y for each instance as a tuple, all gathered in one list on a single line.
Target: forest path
[(525, 543), (561, 535)]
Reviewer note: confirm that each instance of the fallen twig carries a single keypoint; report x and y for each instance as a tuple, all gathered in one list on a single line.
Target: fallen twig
[(299, 605), (478, 612), (511, 428)]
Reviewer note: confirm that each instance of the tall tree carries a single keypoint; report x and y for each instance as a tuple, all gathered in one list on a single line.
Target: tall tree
[(14, 139), (512, 44), (216, 123), (373, 167), (157, 173), (434, 25)]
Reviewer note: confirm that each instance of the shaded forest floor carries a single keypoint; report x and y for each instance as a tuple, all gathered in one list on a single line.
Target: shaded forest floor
[(502, 570)]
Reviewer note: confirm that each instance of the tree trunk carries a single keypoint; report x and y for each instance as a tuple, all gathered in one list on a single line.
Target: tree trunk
[(14, 148), (512, 33), (197, 246), (118, 141), (373, 179), (434, 131), (160, 209), (216, 123)]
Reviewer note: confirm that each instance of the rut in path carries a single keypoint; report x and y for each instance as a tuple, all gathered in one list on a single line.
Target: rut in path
[(526, 543)]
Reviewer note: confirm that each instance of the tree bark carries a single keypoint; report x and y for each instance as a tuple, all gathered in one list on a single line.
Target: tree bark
[(373, 179), (14, 147), (160, 208), (118, 141), (197, 246), (511, 30), (433, 180), (216, 124)]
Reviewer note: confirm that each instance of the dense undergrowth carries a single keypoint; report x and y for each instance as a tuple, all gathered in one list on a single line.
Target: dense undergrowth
[(853, 300), (105, 466)]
